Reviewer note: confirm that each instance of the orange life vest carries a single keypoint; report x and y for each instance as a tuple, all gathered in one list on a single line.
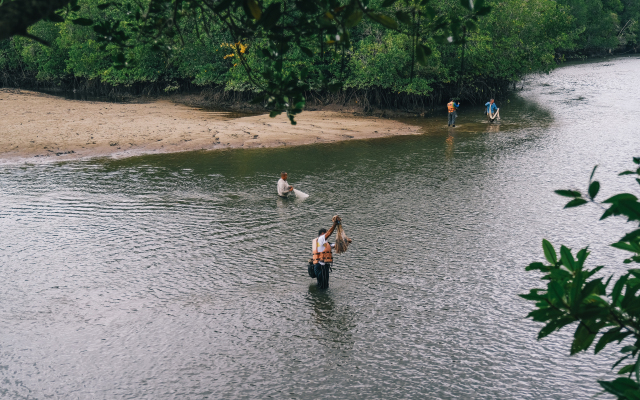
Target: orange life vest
[(451, 107), (325, 256)]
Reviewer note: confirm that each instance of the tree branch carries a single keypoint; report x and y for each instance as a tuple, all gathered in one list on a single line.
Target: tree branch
[(16, 16)]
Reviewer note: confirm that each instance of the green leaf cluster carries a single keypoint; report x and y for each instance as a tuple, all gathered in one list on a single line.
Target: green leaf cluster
[(400, 46), (602, 311), (603, 24)]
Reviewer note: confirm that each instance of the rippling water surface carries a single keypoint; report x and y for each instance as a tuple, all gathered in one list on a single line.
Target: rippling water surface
[(183, 276)]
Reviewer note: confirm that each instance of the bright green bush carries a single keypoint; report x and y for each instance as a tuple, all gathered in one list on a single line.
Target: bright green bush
[(516, 38)]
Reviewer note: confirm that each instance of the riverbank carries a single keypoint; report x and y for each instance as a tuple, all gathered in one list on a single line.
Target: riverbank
[(40, 126)]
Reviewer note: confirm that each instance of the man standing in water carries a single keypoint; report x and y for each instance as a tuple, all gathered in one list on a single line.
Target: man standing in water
[(492, 110), (322, 255), (284, 189), (452, 107)]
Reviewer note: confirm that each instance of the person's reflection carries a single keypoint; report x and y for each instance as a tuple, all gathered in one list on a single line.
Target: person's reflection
[(493, 128), (335, 322), (282, 202), (448, 151)]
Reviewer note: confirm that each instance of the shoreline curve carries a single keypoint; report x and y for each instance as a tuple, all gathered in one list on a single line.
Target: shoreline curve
[(41, 127)]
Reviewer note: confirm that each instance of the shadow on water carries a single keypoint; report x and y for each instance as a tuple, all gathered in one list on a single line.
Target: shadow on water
[(335, 322)]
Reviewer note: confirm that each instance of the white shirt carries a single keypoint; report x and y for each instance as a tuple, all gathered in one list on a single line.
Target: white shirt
[(283, 188), (321, 241)]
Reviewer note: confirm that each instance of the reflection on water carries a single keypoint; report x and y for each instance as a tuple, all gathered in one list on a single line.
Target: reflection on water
[(517, 112), (495, 127), (449, 146), (184, 275), (335, 322)]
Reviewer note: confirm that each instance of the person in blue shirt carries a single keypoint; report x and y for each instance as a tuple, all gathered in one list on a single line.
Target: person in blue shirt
[(492, 110)]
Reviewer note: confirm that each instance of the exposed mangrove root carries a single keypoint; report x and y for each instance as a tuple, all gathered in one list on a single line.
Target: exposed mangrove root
[(368, 101)]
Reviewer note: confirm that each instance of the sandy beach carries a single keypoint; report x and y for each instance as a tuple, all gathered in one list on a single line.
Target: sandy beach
[(36, 125)]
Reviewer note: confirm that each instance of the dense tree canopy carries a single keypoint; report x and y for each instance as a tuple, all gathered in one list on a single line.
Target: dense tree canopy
[(282, 50)]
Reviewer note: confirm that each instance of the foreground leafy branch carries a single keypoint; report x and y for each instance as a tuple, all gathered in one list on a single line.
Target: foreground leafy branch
[(17, 16), (601, 310)]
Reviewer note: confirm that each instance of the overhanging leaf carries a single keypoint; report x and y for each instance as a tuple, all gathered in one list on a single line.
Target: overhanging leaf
[(353, 19), (254, 8), (82, 21), (403, 17), (583, 337), (484, 11), (567, 258), (422, 52), (568, 193), (555, 293), (55, 18), (383, 20), (621, 197), (471, 26), (607, 338), (306, 51), (549, 252), (619, 386), (575, 203), (555, 325), (626, 369), (594, 188), (624, 246)]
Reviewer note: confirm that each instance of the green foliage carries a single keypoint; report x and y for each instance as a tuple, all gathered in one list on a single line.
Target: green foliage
[(518, 38), (603, 312), (366, 53), (290, 47), (604, 24)]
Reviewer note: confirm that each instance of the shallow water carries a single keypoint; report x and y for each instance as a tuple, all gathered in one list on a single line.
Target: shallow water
[(184, 276)]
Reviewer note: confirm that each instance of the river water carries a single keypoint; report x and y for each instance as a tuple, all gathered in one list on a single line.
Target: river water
[(183, 276)]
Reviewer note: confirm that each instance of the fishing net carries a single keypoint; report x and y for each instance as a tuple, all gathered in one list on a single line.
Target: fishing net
[(342, 241), (300, 195)]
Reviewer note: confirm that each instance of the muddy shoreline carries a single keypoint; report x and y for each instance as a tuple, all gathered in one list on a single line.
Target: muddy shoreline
[(37, 126)]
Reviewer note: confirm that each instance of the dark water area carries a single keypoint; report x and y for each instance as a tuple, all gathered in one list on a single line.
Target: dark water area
[(82, 95), (184, 276)]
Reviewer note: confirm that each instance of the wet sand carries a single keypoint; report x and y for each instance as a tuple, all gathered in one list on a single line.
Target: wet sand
[(36, 126)]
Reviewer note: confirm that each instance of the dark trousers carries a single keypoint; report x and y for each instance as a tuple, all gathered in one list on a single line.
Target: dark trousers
[(452, 118), (322, 274)]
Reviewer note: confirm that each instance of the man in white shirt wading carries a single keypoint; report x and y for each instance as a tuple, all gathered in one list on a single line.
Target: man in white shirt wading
[(284, 189)]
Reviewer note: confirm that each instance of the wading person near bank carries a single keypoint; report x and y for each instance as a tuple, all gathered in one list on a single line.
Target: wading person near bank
[(452, 107), (284, 189), (493, 112)]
